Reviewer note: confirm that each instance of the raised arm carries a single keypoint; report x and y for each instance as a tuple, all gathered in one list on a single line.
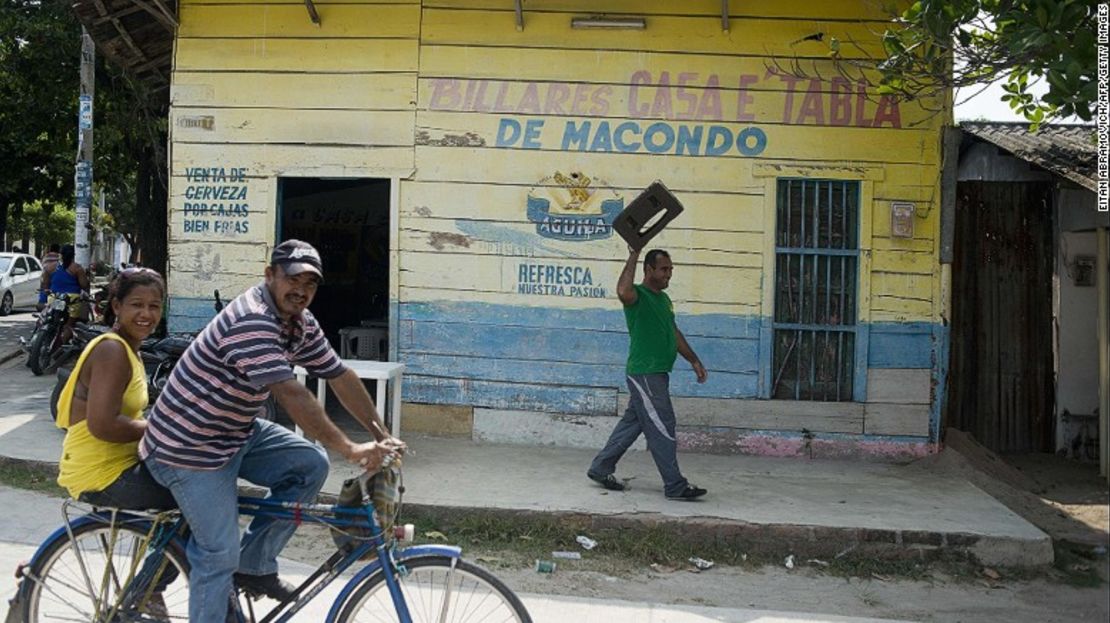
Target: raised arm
[(626, 286)]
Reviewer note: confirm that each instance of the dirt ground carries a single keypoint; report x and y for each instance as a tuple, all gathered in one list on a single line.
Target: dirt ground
[(1066, 499), (806, 588)]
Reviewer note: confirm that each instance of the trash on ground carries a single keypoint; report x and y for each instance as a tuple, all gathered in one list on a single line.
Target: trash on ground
[(845, 551), (435, 535), (819, 563), (880, 577), (701, 564), (1080, 567), (789, 562), (658, 568), (545, 566), (1099, 550), (525, 537), (567, 555), (991, 573), (586, 542)]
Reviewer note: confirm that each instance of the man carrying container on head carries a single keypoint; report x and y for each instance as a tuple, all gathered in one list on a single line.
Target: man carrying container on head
[(205, 432)]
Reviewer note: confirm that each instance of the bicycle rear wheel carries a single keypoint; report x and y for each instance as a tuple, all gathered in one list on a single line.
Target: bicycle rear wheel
[(437, 589), (90, 578)]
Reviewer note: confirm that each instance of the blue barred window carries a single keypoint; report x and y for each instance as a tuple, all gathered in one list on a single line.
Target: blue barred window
[(816, 268)]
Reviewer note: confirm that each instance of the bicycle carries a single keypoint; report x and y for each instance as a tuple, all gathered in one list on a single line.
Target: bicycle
[(122, 566)]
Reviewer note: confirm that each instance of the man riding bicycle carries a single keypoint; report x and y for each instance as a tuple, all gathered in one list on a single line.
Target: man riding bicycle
[(205, 432)]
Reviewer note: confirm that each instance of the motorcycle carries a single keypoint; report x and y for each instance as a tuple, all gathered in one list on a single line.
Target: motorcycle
[(46, 350)]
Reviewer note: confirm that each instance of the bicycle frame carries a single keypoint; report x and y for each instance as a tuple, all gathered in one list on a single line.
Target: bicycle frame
[(342, 517), (334, 516)]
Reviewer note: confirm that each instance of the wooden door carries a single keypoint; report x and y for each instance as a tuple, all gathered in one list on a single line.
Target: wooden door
[(1001, 384)]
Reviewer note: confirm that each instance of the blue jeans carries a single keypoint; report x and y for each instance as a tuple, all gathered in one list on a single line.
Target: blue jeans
[(292, 467), (649, 412)]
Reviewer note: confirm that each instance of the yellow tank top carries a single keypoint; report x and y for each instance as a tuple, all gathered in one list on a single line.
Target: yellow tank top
[(88, 463)]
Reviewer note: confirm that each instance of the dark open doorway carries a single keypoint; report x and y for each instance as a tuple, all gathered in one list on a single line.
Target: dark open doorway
[(347, 220)]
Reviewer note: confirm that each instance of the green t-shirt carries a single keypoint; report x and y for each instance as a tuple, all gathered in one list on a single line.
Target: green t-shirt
[(651, 327)]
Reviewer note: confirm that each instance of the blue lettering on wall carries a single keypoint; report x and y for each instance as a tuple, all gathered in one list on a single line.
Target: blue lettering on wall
[(630, 137), (555, 280), (216, 201)]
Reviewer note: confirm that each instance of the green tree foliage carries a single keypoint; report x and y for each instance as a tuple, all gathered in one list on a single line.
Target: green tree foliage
[(47, 224), (939, 44), (37, 104), (40, 43)]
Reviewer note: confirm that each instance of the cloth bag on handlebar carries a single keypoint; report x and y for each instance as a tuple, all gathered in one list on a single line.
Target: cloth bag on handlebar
[(385, 491)]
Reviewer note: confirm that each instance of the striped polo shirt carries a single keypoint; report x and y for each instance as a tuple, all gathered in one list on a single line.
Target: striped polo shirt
[(207, 409)]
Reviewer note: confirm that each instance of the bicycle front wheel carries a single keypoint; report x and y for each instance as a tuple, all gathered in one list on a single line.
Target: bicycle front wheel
[(437, 589), (91, 578)]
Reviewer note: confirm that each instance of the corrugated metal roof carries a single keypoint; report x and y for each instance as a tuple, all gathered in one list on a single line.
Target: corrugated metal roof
[(1068, 150)]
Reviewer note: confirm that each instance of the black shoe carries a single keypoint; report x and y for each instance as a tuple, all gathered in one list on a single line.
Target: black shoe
[(609, 481), (269, 585), (689, 493)]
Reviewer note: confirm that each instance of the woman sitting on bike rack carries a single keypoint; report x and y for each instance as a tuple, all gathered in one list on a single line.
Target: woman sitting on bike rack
[(69, 279), (103, 401)]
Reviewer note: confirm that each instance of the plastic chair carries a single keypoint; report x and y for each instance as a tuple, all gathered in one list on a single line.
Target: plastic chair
[(363, 343)]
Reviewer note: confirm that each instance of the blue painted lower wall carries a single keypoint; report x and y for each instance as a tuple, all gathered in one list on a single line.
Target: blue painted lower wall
[(572, 361)]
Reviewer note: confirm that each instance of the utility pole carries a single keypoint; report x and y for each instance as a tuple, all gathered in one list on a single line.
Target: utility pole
[(84, 173)]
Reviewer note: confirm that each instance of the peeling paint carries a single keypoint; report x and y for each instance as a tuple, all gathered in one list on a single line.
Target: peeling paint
[(469, 139), (797, 445), (438, 240), (424, 211)]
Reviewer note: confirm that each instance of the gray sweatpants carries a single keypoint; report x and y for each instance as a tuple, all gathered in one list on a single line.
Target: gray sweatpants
[(649, 412)]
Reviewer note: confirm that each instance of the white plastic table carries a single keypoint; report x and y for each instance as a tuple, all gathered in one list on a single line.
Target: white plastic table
[(381, 371)]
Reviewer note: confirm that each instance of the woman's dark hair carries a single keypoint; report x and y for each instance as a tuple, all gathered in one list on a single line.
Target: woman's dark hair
[(67, 255), (127, 280)]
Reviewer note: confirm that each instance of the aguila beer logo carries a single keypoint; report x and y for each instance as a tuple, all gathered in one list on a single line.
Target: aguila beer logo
[(573, 206)]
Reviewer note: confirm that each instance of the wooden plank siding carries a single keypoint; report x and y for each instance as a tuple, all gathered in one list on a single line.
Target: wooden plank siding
[(259, 88), (483, 123)]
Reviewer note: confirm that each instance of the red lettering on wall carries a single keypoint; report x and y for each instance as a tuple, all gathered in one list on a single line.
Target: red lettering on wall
[(662, 105), (600, 101), (813, 105), (710, 105), (743, 98), (686, 97), (888, 113), (635, 109), (840, 102), (530, 103), (445, 94), (861, 101)]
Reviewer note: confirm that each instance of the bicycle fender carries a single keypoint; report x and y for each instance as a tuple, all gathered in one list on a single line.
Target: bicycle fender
[(409, 553)]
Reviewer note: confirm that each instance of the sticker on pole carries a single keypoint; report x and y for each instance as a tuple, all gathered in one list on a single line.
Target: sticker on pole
[(85, 121)]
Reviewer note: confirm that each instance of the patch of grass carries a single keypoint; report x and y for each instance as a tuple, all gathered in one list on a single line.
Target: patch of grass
[(536, 536), (30, 477), (862, 566)]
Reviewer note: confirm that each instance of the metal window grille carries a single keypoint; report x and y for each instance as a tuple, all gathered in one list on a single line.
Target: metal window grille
[(816, 267)]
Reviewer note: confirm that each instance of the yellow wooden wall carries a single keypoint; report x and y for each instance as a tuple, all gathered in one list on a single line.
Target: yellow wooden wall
[(421, 91), (258, 87)]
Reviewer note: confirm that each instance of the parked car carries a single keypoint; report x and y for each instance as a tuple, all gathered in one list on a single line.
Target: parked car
[(19, 281)]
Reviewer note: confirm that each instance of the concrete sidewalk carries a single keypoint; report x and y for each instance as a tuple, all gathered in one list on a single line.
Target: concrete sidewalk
[(810, 508)]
